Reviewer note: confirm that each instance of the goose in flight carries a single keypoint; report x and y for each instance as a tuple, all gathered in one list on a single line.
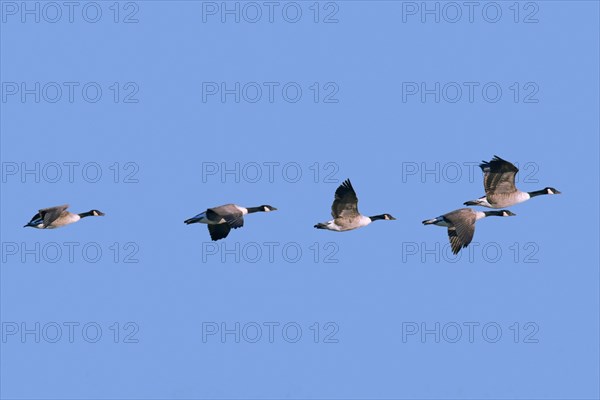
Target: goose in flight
[(499, 184), (344, 211), (461, 224), (221, 219), (56, 217)]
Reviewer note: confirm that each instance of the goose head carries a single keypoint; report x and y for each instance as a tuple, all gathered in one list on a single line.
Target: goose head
[(551, 190), (267, 208)]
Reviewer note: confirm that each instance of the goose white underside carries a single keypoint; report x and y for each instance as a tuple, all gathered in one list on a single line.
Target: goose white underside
[(521, 197), (439, 221), (358, 223), (331, 226), (69, 219), (516, 198), (41, 226), (482, 201)]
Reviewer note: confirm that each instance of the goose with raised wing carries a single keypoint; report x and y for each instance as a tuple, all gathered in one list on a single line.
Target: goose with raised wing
[(222, 219), (499, 184), (461, 224), (58, 216), (344, 211)]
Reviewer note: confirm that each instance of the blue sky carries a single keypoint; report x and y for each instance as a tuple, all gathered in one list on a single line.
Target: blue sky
[(161, 124)]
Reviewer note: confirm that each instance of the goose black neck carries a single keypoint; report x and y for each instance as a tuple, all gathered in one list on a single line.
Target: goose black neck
[(376, 217), (255, 209), (492, 213), (537, 192), (86, 214)]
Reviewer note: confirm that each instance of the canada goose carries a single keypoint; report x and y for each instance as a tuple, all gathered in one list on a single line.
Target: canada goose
[(499, 184), (344, 211), (56, 217), (221, 219), (461, 224)]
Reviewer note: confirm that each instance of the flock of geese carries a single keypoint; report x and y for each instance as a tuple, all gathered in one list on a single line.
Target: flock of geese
[(498, 181), (500, 192)]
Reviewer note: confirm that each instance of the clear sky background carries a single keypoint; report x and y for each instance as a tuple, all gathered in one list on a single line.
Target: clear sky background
[(385, 283)]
